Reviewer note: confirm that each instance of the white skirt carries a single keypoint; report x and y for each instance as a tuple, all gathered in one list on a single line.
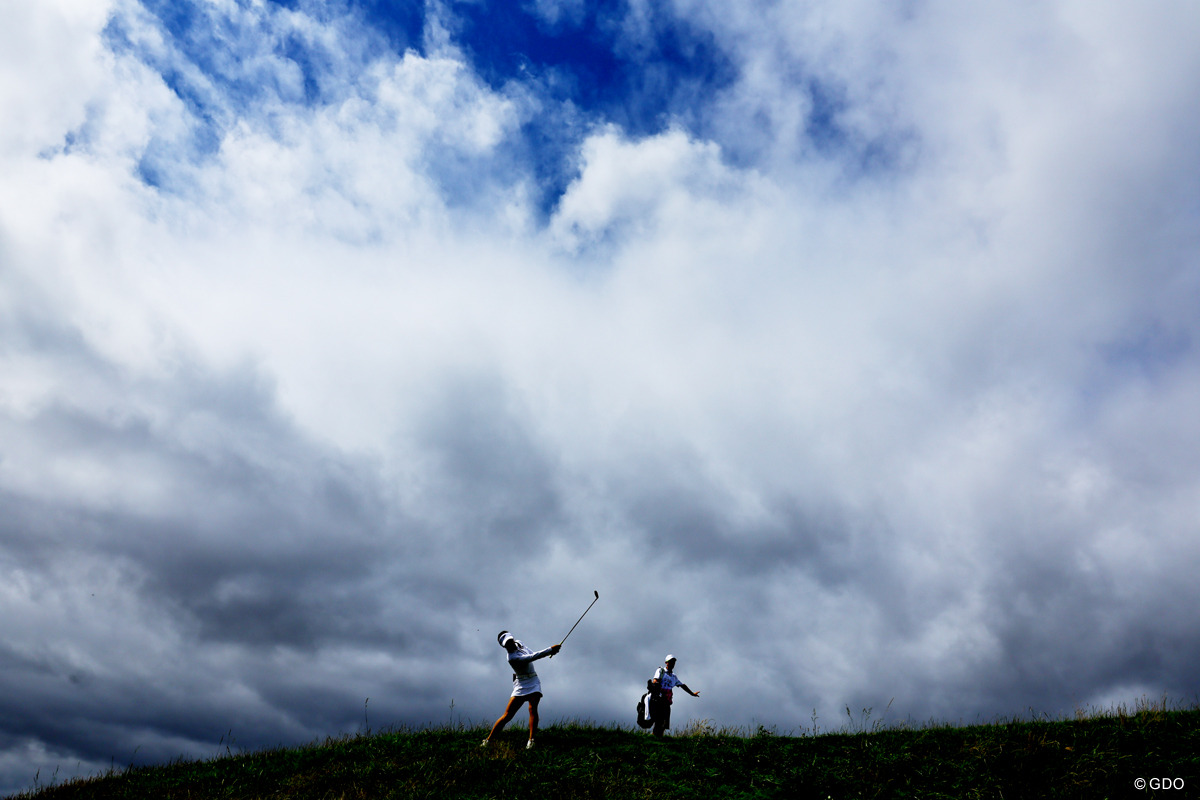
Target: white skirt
[(526, 685)]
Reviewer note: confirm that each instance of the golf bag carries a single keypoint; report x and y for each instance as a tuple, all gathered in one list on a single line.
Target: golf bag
[(644, 720)]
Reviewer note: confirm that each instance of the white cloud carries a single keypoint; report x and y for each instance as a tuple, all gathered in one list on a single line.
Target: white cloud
[(636, 182), (557, 13), (57, 43), (913, 425)]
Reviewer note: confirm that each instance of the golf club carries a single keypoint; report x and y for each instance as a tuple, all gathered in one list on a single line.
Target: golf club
[(581, 616)]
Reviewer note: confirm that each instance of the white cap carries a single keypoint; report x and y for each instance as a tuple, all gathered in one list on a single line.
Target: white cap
[(669, 658), (504, 637)]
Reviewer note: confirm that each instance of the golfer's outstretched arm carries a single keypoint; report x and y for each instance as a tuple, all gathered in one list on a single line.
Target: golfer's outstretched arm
[(549, 651)]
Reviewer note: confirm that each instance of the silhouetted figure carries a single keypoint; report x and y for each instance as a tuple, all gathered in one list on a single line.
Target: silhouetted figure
[(526, 684), (662, 687)]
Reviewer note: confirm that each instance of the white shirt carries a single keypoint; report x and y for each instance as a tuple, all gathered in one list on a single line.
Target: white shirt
[(525, 680), (666, 680)]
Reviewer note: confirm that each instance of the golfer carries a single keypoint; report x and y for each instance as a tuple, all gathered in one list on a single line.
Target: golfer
[(526, 685), (665, 681)]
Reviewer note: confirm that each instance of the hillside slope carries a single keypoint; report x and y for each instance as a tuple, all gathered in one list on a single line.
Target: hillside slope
[(1098, 757)]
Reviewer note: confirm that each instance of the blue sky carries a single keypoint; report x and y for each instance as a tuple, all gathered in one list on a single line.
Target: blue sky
[(588, 66), (848, 350)]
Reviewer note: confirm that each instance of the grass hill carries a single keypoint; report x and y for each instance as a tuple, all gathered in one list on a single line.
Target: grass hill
[(1093, 757)]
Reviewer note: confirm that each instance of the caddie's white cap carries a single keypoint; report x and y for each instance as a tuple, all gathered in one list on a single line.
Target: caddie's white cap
[(669, 658)]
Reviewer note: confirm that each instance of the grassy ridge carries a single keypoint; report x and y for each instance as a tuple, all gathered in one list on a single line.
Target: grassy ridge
[(1095, 757)]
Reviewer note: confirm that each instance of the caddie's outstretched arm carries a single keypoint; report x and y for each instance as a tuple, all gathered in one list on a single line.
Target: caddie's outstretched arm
[(689, 691)]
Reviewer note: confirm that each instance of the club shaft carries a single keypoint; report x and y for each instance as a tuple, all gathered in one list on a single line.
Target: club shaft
[(581, 616)]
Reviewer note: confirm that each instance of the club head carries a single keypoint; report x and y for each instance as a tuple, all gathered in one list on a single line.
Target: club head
[(597, 593)]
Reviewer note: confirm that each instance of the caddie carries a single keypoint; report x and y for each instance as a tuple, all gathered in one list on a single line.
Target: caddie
[(663, 684)]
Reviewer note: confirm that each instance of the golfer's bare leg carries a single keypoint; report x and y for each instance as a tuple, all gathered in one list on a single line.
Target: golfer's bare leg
[(533, 715), (510, 711)]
